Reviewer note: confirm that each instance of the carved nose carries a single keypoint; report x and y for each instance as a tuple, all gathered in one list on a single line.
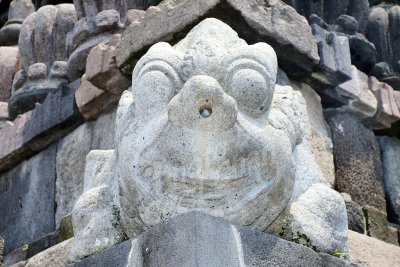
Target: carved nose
[(202, 104)]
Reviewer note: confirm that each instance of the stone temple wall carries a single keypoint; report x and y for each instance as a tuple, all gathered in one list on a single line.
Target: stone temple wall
[(199, 133)]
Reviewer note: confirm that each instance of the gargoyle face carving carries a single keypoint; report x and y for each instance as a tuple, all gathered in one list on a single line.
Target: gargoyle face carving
[(195, 133)]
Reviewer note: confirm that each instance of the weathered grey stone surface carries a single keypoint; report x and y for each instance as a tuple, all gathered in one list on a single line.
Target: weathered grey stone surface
[(66, 228), (3, 111), (43, 56), (363, 53), (191, 135), (369, 251), (355, 216), (170, 20), (357, 160), (356, 95), (11, 137), (377, 225), (101, 68), (90, 8), (321, 143), (92, 101), (1, 251), (28, 191), (335, 57), (34, 131), (383, 32), (103, 83), (8, 65), (54, 118), (196, 239), (99, 20), (390, 151), (18, 11), (71, 159), (331, 10), (52, 257), (388, 109)]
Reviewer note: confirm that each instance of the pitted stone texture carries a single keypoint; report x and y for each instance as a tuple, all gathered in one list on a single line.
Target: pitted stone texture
[(9, 64), (355, 216), (358, 166), (377, 225), (92, 101), (3, 111), (390, 151), (369, 251), (43, 55), (363, 53), (72, 151), (33, 131), (71, 159), (1, 251), (66, 228), (331, 10), (101, 68), (321, 143), (50, 23), (103, 83), (13, 149), (99, 20), (170, 20), (335, 60), (356, 96), (196, 239), (383, 32), (191, 135), (54, 256), (388, 109), (90, 8), (54, 118), (18, 11), (28, 191)]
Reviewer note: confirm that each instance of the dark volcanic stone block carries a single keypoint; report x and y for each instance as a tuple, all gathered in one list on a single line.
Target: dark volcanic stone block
[(358, 168), (197, 239), (355, 217), (377, 225), (34, 131), (55, 117), (332, 9), (32, 248), (27, 200), (334, 51), (390, 149)]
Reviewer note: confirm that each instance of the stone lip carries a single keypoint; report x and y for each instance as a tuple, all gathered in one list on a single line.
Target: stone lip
[(197, 239)]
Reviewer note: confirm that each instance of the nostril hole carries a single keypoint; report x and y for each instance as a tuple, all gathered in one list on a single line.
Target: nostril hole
[(205, 111)]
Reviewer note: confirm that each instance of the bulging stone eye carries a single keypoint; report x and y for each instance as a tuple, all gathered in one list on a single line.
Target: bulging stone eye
[(156, 79), (154, 89), (249, 88)]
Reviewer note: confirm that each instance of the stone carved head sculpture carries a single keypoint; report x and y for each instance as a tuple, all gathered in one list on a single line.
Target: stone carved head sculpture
[(98, 21), (205, 128), (43, 56)]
